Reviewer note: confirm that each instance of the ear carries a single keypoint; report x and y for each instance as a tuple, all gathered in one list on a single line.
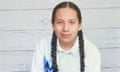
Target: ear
[(80, 26), (53, 28)]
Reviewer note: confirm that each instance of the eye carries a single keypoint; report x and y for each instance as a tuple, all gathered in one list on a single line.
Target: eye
[(59, 22), (72, 22)]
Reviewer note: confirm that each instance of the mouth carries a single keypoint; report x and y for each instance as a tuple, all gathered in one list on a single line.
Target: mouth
[(65, 35)]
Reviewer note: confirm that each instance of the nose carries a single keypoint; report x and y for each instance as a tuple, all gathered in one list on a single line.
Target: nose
[(66, 27)]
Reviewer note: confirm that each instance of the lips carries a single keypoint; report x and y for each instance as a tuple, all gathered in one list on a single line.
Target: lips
[(65, 35)]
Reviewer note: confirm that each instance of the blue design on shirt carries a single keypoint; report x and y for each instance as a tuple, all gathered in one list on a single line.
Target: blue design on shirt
[(47, 67)]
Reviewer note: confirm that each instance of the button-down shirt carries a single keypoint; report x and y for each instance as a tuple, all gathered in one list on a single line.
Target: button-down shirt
[(67, 61)]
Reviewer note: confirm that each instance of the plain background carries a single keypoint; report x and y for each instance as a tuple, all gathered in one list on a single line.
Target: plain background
[(24, 22)]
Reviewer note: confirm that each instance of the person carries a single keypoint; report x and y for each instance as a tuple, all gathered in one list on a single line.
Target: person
[(66, 50)]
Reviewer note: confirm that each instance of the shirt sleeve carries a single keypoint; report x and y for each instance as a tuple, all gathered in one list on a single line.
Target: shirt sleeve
[(37, 62), (93, 58)]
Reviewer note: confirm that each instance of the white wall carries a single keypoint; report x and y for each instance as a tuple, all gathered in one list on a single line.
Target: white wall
[(24, 22)]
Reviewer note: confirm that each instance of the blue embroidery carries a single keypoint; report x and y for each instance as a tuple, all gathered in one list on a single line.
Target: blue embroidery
[(47, 66)]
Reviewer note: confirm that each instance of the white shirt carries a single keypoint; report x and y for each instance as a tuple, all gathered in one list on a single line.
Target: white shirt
[(67, 61)]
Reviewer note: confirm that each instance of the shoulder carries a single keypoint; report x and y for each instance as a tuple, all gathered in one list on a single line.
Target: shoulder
[(92, 52), (90, 47), (92, 56), (43, 46), (44, 43)]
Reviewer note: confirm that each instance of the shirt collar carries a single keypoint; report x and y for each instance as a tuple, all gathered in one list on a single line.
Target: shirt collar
[(74, 50)]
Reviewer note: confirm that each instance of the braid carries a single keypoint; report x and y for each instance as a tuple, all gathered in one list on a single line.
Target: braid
[(81, 51), (54, 52)]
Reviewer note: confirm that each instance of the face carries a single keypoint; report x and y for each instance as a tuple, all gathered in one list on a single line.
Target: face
[(66, 25)]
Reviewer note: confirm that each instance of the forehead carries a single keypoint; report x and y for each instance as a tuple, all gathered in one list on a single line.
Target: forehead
[(66, 13)]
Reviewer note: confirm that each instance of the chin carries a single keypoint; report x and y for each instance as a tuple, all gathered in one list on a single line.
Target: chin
[(66, 40)]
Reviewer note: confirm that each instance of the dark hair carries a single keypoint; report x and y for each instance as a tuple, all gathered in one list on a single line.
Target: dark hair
[(54, 37), (64, 5)]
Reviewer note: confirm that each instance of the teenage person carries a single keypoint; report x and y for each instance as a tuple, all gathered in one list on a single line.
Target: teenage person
[(67, 50)]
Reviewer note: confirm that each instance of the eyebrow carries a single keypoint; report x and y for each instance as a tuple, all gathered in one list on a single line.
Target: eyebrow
[(72, 19), (63, 20)]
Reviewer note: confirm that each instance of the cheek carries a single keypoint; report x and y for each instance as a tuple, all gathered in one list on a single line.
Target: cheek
[(57, 29), (75, 33), (75, 29)]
